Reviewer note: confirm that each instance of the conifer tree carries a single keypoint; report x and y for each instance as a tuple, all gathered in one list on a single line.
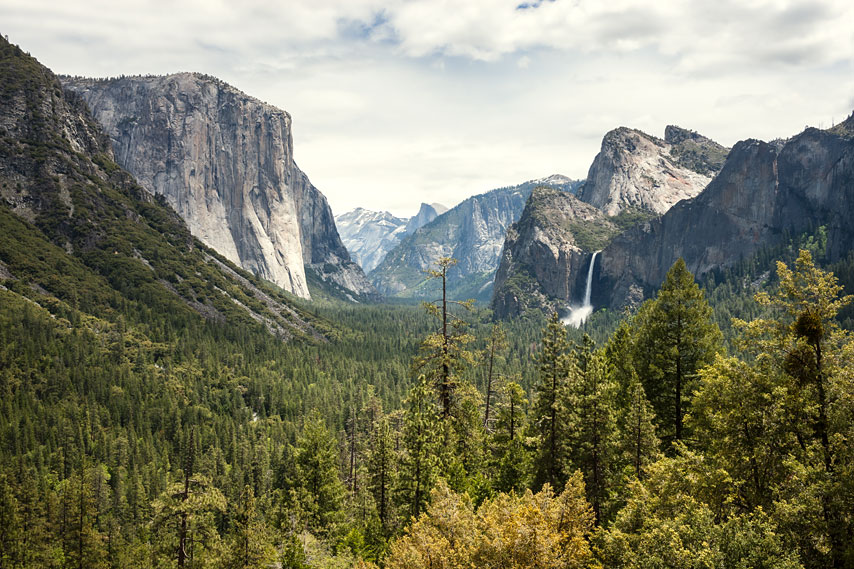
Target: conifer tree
[(422, 437), (510, 455), (638, 443), (591, 432), (319, 487), (443, 355), (381, 461), (11, 530), (189, 505), (496, 343), (676, 339), (785, 413), (251, 544), (547, 413)]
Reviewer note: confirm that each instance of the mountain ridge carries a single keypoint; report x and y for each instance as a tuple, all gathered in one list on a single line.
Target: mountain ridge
[(765, 192), (473, 232), (635, 169)]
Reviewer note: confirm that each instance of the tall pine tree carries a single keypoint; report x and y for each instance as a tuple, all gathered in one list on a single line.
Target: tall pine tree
[(676, 339)]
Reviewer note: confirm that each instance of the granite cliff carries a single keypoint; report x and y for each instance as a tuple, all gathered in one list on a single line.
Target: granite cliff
[(633, 179), (634, 169), (79, 233), (426, 213), (224, 162), (547, 252), (764, 193), (472, 232)]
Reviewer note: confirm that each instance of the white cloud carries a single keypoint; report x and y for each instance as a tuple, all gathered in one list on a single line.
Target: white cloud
[(400, 101)]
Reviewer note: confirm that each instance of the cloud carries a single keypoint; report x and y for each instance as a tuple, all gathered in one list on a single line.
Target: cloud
[(697, 34), (395, 102)]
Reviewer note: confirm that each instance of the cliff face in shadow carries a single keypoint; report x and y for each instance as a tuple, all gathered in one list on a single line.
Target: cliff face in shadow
[(764, 192), (224, 162)]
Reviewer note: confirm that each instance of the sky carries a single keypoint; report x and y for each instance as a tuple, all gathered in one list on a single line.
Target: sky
[(398, 102)]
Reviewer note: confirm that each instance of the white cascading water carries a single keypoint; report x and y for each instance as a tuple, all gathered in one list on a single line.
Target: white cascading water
[(579, 314)]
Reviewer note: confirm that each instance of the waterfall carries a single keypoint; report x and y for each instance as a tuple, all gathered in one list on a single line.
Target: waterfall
[(589, 288), (579, 314)]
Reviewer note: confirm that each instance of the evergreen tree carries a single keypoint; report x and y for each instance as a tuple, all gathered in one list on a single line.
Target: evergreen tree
[(547, 413), (443, 354), (251, 545), (676, 339), (319, 487), (189, 505), (638, 443), (591, 433), (421, 441), (786, 412), (510, 456), (382, 461), (11, 529), (496, 343)]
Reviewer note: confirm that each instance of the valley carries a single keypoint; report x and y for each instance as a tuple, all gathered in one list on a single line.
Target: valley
[(201, 366)]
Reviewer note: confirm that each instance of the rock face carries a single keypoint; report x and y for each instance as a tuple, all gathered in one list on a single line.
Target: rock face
[(472, 232), (108, 240), (763, 193), (636, 170), (370, 235), (426, 213), (545, 259), (224, 162)]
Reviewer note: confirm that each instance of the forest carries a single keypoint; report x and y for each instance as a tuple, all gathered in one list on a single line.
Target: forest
[(671, 435)]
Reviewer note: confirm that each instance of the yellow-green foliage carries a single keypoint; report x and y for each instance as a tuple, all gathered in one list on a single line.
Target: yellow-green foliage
[(509, 531)]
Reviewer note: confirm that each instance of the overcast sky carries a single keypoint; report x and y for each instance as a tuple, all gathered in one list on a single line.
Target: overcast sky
[(401, 101)]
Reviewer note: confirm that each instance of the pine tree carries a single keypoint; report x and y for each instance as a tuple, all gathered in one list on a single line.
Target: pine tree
[(547, 413), (443, 355), (421, 440), (381, 469), (11, 529), (188, 507), (638, 443), (319, 485), (497, 342), (591, 432), (510, 456), (793, 406), (251, 545), (676, 339)]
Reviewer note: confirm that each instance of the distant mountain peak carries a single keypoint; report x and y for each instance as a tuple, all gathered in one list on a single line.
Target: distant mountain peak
[(426, 213)]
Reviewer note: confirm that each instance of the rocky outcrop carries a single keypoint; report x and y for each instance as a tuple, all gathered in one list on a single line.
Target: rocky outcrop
[(224, 162), (426, 213), (472, 232), (764, 193), (547, 252), (636, 170)]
